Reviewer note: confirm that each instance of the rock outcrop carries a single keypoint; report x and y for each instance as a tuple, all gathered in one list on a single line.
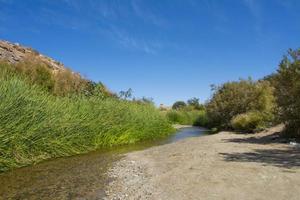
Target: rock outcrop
[(15, 53)]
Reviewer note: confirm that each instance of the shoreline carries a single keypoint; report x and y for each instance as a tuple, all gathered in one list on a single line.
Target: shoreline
[(179, 126), (220, 166)]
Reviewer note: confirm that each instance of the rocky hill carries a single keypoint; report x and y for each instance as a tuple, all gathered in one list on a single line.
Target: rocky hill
[(15, 53)]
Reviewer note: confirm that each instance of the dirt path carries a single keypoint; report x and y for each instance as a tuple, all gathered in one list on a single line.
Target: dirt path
[(222, 166)]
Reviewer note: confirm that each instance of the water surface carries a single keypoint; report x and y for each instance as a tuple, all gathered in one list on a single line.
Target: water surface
[(76, 177)]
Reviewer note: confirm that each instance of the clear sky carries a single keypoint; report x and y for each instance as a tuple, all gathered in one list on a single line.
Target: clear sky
[(166, 49)]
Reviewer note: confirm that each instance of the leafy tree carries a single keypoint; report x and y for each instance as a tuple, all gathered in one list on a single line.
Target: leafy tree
[(126, 95), (287, 91), (179, 105), (239, 97), (195, 104)]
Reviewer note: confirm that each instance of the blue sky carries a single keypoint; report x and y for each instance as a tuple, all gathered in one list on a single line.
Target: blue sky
[(166, 49)]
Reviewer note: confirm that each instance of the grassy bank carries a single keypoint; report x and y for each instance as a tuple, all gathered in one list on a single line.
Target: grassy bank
[(35, 125)]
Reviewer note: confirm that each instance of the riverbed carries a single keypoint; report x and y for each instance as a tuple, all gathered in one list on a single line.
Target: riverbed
[(76, 177), (225, 166)]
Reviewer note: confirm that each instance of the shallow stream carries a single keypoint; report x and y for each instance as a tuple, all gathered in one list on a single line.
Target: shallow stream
[(76, 177)]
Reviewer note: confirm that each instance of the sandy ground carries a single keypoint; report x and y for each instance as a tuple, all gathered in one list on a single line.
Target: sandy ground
[(221, 166)]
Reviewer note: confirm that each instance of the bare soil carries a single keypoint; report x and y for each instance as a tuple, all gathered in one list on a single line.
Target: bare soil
[(221, 166)]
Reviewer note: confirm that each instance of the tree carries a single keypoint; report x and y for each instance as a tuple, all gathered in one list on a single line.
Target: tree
[(195, 104), (287, 84), (239, 97), (126, 94), (179, 105)]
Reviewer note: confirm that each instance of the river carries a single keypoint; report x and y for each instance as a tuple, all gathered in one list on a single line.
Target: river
[(76, 177)]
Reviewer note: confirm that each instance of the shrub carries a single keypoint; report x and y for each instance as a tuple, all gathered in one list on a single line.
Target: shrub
[(234, 98), (62, 82), (250, 121), (68, 83), (35, 73), (287, 84)]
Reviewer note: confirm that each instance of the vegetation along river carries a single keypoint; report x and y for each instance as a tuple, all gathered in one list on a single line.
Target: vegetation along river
[(76, 177)]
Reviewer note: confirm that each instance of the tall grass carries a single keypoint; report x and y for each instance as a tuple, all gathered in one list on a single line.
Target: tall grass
[(35, 125), (187, 117)]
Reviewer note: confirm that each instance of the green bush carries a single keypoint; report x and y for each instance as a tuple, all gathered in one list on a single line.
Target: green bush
[(234, 98), (287, 84), (250, 122), (35, 125)]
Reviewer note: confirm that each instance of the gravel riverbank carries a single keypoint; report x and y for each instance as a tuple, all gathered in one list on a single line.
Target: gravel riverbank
[(221, 166)]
